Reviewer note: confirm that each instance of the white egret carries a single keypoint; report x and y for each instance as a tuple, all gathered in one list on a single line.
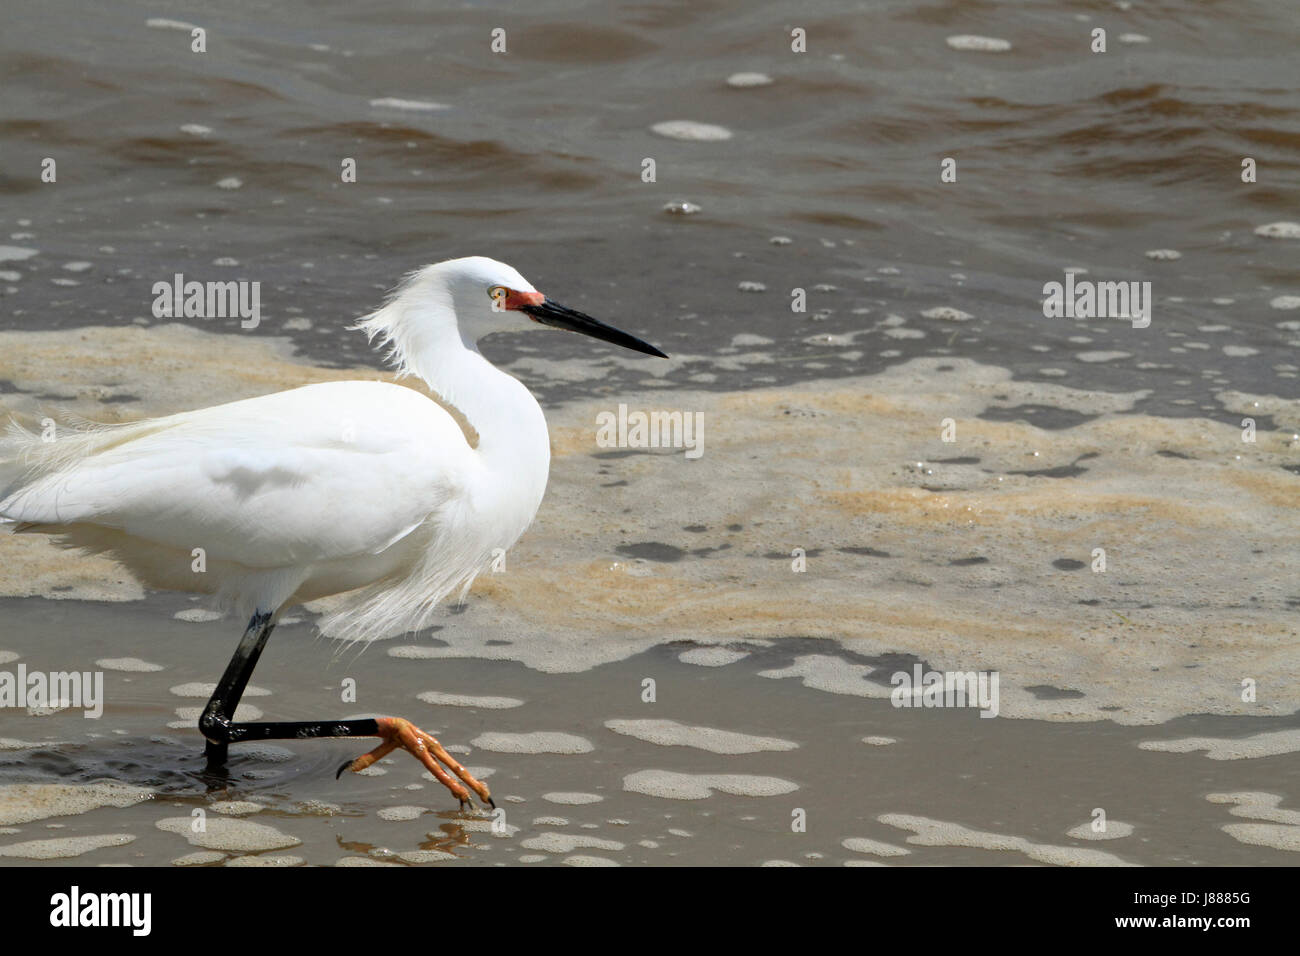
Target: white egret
[(363, 487)]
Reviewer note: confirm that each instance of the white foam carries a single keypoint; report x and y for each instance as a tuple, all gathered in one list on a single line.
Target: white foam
[(198, 615), (568, 842), (747, 80), (465, 700), (1268, 744), (669, 733), (426, 856), (947, 313), (414, 106), (939, 833), (222, 833), (538, 742), (580, 859), (572, 799), (1115, 830), (393, 814), (1279, 230), (831, 674), (24, 802), (130, 664), (235, 808), (272, 861), (684, 786), (711, 656), (978, 44), (690, 130), (874, 847), (199, 858), (63, 847), (1094, 357), (162, 23)]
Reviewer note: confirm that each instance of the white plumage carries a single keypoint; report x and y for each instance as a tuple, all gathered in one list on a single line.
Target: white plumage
[(365, 487)]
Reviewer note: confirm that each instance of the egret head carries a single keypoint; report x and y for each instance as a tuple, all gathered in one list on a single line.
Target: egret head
[(489, 296)]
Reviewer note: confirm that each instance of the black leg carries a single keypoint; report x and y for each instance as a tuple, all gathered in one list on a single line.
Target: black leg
[(219, 728), (218, 715)]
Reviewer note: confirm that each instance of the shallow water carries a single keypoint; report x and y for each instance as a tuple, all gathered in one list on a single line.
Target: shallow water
[(621, 799), (823, 429)]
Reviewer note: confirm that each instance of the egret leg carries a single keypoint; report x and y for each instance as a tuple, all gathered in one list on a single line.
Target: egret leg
[(218, 726), (393, 731), (220, 711)]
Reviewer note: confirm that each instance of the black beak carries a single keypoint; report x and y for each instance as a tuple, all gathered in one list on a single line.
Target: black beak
[(560, 317)]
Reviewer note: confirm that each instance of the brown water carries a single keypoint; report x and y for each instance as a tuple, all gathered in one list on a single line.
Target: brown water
[(823, 428)]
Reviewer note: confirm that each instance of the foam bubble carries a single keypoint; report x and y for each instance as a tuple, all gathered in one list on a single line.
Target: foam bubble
[(400, 813), (874, 847), (1279, 230), (129, 664), (711, 656), (465, 700), (266, 861), (939, 833), (162, 23), (235, 808), (426, 856), (579, 859), (700, 786), (568, 842), (538, 742), (572, 799), (747, 80), (1269, 744), (1115, 830), (198, 615), (24, 802), (221, 833), (412, 106), (669, 733), (199, 858), (978, 44), (947, 313), (63, 847), (690, 130)]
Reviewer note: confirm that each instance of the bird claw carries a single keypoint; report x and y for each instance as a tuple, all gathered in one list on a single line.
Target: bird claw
[(396, 732)]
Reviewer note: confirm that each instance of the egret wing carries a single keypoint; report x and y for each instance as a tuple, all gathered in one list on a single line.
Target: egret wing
[(317, 473)]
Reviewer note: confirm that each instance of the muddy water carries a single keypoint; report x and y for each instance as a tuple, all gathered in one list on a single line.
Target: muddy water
[(823, 429), (966, 555)]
